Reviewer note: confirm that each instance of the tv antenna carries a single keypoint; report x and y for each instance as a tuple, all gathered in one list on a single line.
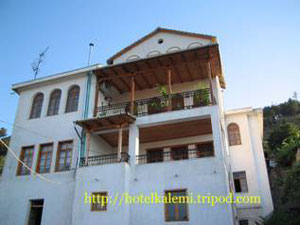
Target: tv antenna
[(37, 64)]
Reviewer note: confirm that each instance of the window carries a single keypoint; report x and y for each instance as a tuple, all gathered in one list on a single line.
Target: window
[(36, 107), (44, 158), (205, 149), (179, 153), (243, 222), (234, 134), (36, 212), (99, 201), (26, 157), (155, 155), (54, 101), (240, 181), (64, 154), (176, 211), (73, 99)]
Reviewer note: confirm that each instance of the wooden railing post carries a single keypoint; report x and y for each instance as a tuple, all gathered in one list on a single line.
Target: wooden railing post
[(132, 95), (169, 78), (210, 81)]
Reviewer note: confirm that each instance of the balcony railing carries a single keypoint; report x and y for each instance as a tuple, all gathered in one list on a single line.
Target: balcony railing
[(182, 154), (104, 159), (148, 106)]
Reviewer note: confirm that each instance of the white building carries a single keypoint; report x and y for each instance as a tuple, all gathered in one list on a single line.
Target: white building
[(109, 129)]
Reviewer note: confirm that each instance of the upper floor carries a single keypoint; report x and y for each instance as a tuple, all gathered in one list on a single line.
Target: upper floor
[(164, 71)]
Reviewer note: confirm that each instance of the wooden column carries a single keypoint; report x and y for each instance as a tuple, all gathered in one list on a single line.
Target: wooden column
[(120, 138), (169, 79), (132, 95), (96, 98), (210, 81), (88, 143)]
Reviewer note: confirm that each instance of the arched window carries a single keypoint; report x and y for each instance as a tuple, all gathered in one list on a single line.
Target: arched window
[(54, 101), (37, 105), (234, 134), (73, 99)]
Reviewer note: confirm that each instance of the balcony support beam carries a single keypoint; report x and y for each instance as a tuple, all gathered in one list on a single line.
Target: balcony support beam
[(134, 142), (88, 143), (132, 95), (120, 138)]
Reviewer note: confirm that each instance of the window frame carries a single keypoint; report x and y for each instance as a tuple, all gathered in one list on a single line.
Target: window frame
[(47, 154), (234, 136), (60, 143), (54, 110), (94, 207), (69, 109), (176, 206), (31, 114), (240, 183), (22, 157)]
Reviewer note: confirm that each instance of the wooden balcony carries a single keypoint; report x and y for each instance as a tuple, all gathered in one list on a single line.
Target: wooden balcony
[(160, 104)]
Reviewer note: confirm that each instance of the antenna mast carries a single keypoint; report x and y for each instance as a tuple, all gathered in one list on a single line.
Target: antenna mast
[(36, 65), (90, 52)]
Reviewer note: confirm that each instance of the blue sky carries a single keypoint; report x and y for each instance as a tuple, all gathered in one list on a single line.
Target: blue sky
[(259, 40)]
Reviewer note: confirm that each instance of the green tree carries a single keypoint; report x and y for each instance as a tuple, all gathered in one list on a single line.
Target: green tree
[(290, 108), (279, 134), (3, 149)]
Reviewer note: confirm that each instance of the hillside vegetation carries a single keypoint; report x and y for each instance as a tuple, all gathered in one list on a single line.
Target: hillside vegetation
[(281, 141)]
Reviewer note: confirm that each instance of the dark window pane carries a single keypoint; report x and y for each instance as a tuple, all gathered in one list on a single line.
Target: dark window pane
[(36, 107), (54, 101), (73, 99), (154, 155), (240, 181), (243, 222), (179, 153)]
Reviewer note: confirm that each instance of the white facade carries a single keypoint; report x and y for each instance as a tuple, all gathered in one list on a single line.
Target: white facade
[(64, 194)]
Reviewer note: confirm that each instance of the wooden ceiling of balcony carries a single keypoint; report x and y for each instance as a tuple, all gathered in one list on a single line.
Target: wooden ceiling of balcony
[(106, 123), (164, 132), (186, 65)]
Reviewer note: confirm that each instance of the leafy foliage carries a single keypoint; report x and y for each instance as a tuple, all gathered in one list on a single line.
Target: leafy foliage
[(3, 149), (282, 139), (286, 154), (280, 133)]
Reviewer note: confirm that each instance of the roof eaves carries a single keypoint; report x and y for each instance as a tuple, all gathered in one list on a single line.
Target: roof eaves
[(17, 86)]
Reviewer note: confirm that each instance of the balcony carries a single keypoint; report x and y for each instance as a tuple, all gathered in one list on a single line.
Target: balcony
[(104, 159), (178, 153), (160, 104)]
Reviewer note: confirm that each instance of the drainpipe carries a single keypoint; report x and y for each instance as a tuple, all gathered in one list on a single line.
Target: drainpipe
[(85, 112)]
